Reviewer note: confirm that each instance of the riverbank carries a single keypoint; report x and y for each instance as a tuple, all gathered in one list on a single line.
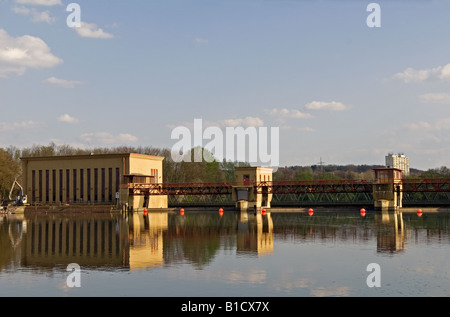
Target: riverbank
[(112, 209), (70, 209)]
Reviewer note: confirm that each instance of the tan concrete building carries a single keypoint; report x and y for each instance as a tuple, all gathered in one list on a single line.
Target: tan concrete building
[(246, 179), (92, 179), (388, 189)]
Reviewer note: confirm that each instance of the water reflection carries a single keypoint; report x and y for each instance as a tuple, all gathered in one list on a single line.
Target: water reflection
[(254, 233), (137, 241), (390, 232), (197, 237)]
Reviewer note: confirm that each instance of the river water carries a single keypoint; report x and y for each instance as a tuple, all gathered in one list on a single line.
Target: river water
[(204, 253)]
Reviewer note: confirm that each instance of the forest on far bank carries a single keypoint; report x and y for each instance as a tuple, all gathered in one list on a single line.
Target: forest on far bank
[(187, 172)]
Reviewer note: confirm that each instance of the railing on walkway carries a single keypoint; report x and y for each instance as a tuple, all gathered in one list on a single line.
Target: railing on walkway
[(299, 193)]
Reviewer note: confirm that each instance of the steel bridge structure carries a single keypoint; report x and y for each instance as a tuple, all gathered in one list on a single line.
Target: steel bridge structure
[(420, 192)]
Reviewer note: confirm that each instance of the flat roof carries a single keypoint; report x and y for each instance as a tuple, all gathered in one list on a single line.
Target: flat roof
[(94, 156), (262, 168)]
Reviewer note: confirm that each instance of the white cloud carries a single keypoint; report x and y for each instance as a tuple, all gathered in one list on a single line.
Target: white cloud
[(108, 138), (419, 126), (291, 113), (411, 75), (11, 126), (18, 54), (323, 105), (126, 138), (441, 98), (63, 83), (200, 40), (244, 122), (47, 3), (66, 118), (91, 30), (36, 16), (443, 124)]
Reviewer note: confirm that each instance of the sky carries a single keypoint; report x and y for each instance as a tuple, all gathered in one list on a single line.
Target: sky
[(339, 91)]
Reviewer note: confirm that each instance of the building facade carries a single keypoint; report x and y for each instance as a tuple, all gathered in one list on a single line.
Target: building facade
[(399, 161), (243, 193), (91, 179)]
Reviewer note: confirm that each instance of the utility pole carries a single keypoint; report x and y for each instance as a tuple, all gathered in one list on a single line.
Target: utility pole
[(321, 165)]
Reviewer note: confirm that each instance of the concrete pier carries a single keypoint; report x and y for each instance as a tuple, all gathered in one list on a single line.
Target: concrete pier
[(387, 189), (244, 194)]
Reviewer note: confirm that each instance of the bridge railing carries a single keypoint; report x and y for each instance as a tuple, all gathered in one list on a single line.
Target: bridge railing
[(426, 184), (286, 187)]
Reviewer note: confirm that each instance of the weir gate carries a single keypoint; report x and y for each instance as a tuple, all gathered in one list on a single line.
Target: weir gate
[(387, 191)]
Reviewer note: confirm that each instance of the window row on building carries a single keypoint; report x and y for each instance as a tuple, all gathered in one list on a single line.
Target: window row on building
[(91, 179), (89, 185)]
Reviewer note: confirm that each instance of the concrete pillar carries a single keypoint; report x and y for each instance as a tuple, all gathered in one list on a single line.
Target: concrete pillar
[(387, 189), (251, 189)]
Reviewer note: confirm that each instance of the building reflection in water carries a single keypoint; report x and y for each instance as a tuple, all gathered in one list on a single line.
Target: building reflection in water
[(390, 231), (255, 233), (137, 241), (146, 239), (97, 241)]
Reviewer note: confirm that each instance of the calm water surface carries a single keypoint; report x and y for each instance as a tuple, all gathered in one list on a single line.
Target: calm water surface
[(238, 254)]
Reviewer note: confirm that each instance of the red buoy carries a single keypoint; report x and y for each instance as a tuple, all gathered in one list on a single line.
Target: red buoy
[(221, 212), (419, 212), (182, 211), (311, 211), (362, 212), (263, 211), (145, 211)]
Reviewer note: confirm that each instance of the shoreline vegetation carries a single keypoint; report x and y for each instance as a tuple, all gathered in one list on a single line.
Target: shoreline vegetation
[(187, 172)]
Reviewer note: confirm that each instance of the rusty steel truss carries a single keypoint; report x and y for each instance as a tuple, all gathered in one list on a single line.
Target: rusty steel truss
[(434, 191), (299, 193)]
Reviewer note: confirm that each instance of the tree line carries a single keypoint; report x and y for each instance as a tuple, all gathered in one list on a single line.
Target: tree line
[(190, 172), (173, 172)]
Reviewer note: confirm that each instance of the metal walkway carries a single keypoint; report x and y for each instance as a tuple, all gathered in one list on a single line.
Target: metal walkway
[(424, 192)]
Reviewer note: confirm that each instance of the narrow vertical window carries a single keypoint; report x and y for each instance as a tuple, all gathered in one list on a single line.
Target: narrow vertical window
[(40, 186), (95, 184), (33, 186), (61, 186), (110, 185), (75, 185), (117, 179), (88, 184), (54, 186), (47, 185), (67, 186), (103, 184), (81, 184)]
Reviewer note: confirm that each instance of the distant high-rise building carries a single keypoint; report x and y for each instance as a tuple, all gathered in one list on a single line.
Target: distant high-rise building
[(399, 161)]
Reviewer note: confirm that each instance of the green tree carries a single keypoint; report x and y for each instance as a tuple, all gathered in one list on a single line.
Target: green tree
[(304, 174), (10, 169), (443, 171)]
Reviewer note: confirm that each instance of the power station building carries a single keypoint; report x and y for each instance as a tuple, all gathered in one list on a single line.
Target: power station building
[(92, 179)]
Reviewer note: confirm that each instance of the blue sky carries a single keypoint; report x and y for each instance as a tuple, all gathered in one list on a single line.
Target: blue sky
[(338, 90)]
